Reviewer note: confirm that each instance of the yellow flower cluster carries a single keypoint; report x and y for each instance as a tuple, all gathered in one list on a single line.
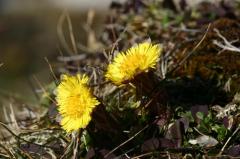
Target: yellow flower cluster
[(136, 60), (75, 102), (74, 98)]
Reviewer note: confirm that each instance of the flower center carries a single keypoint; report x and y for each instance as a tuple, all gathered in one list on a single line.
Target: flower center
[(76, 106), (134, 65)]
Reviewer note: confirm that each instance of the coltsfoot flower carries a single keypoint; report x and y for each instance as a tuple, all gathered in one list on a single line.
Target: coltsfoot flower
[(129, 64), (75, 102)]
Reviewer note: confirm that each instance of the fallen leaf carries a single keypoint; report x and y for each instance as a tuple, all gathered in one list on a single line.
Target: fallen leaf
[(228, 122), (204, 140), (177, 130), (150, 145), (167, 143), (234, 151)]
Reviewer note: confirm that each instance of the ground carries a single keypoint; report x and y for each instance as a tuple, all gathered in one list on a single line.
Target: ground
[(188, 107)]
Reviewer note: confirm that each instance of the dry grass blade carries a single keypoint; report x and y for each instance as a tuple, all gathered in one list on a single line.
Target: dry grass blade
[(105, 156), (73, 41), (51, 69), (73, 147), (193, 50), (143, 155), (10, 154), (43, 89), (223, 148), (61, 35), (10, 116)]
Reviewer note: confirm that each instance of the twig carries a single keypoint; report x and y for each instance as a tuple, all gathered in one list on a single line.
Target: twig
[(105, 156), (224, 146), (226, 45)]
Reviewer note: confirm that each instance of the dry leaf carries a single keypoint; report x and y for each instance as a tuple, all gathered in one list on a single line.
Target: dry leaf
[(204, 140)]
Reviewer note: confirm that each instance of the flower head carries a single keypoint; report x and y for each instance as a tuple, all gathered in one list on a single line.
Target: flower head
[(75, 102), (136, 60)]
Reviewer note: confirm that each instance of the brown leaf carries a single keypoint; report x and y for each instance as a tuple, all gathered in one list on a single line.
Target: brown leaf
[(150, 145), (167, 143), (199, 108)]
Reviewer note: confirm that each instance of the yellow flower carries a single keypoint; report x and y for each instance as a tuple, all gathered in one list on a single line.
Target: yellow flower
[(136, 60), (75, 102)]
